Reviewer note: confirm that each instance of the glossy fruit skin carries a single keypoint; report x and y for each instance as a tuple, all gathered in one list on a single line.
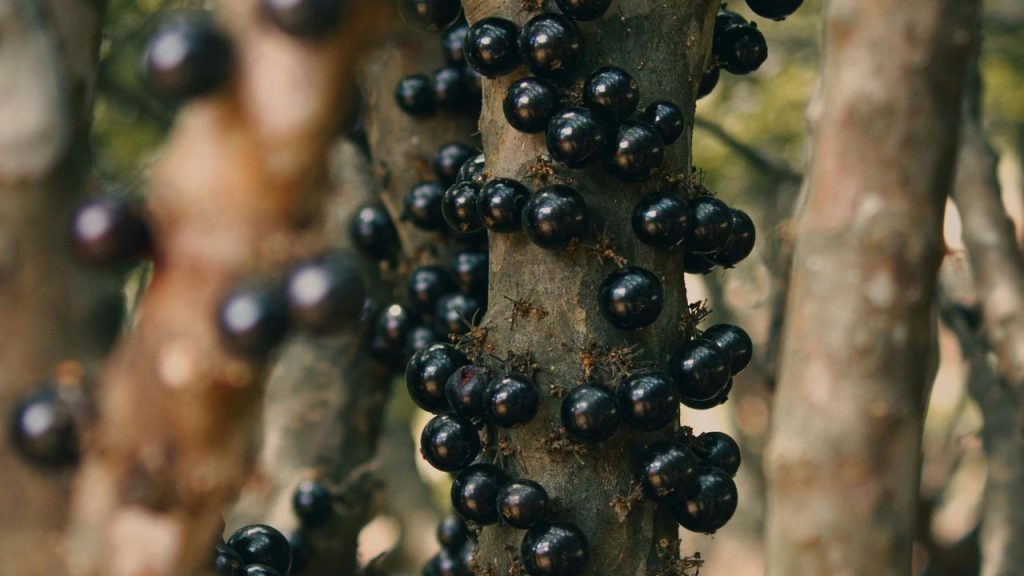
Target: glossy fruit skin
[(551, 46), (461, 208), (465, 390), (391, 331), (719, 449), (555, 216), (590, 413), (428, 371), (511, 401), (253, 319), (721, 398), (262, 544), (694, 263), (302, 550), (740, 47), (630, 298), (414, 94), (373, 233), (304, 18), (530, 103), (449, 443), (311, 502), (471, 273), (450, 89), (734, 342), (475, 493), (492, 47), (261, 570), (712, 225), (667, 119), (637, 152), (426, 286), (456, 314), (188, 59), (668, 471), (661, 219), (554, 549), (700, 369), (452, 533), (43, 429), (501, 204), (419, 336), (583, 10), (449, 160), (576, 137), (709, 81), (472, 170), (423, 206), (774, 9), (109, 231), (453, 43), (430, 14), (325, 295), (227, 562), (740, 243), (612, 94), (522, 503), (712, 504), (648, 401)]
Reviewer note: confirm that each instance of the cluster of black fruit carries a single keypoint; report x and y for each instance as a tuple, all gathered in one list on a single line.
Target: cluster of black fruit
[(261, 550), (457, 545), (454, 87)]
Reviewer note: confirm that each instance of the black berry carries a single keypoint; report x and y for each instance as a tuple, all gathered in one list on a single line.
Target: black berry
[(261, 570), (472, 170), (694, 263), (611, 93), (423, 206), (700, 370), (774, 9), (530, 103), (740, 46), (522, 503), (712, 225), (471, 272), (465, 390), (637, 152), (373, 233), (475, 493), (740, 243), (583, 10), (456, 314), (390, 334), (304, 18), (667, 119), (450, 89), (415, 95), (575, 137), (449, 443), (109, 231), (551, 45), (453, 43), (312, 503), (449, 159), (325, 295), (261, 544), (668, 471), (428, 371), (721, 398), (648, 401), (461, 208), (734, 342), (492, 47), (712, 504), (420, 336), (590, 413), (253, 319), (188, 59), (709, 81), (511, 401), (430, 14), (227, 562), (719, 449), (501, 204), (630, 298), (555, 216), (452, 533), (427, 284), (556, 549), (451, 563), (43, 429), (661, 220)]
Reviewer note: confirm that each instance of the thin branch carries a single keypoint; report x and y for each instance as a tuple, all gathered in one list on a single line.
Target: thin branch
[(759, 159)]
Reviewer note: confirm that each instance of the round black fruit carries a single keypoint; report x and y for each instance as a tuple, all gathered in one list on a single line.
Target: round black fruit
[(253, 319), (492, 47), (611, 93), (456, 314), (700, 369), (472, 170), (590, 413), (420, 336), (304, 18), (449, 159), (555, 549), (188, 59), (43, 429), (227, 562), (449, 443), (325, 295), (261, 544), (461, 208), (415, 95), (261, 570), (712, 504), (583, 10), (667, 119), (108, 231), (530, 103), (648, 401), (423, 206), (475, 493), (694, 263), (452, 563), (428, 371), (637, 152), (712, 225), (555, 216), (522, 503), (390, 333), (465, 390), (311, 502), (501, 204), (719, 449), (709, 81), (551, 46), (450, 88), (471, 273), (453, 43), (511, 401), (430, 14), (719, 399), (630, 298), (452, 533), (661, 219), (740, 243), (734, 342), (741, 49), (373, 233), (575, 137), (668, 471), (427, 284), (774, 9)]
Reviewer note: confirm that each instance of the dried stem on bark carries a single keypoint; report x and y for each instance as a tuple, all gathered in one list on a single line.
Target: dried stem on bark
[(856, 364)]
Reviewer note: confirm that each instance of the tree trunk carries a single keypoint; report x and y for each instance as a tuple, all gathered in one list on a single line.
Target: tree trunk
[(665, 46), (844, 463)]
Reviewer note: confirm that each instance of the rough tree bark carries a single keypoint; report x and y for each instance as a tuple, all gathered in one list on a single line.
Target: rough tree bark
[(177, 427), (48, 305), (665, 45), (845, 462)]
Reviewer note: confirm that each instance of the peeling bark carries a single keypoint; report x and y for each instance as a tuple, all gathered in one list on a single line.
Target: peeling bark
[(844, 464)]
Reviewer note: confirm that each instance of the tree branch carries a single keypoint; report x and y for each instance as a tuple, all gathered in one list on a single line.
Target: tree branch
[(759, 159)]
